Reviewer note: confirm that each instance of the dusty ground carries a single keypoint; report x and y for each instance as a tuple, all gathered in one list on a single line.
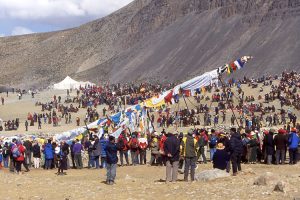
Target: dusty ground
[(143, 182)]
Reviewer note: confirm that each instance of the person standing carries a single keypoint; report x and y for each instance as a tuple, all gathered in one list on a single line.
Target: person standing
[(293, 146), (26, 125), (6, 153), (269, 146), (103, 143), (28, 145), (236, 150), (281, 142), (172, 152), (36, 150), (212, 144), (189, 148), (77, 148), (2, 101), (18, 154), (143, 144), (97, 152), (49, 155), (112, 160)]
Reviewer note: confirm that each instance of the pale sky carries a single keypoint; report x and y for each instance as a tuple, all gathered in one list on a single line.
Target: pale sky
[(18, 17)]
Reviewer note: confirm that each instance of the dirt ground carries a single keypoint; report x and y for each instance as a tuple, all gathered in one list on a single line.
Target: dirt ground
[(144, 182)]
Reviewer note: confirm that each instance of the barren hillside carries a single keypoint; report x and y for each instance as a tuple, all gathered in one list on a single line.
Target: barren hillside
[(161, 40)]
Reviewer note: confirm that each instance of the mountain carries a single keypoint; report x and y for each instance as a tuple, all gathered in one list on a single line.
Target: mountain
[(159, 40)]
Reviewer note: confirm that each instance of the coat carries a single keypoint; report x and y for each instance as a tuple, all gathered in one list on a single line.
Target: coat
[(189, 147), (220, 159), (236, 144), (36, 150), (293, 140), (97, 148), (48, 151), (280, 141), (269, 144), (172, 147), (22, 150), (103, 144), (111, 153)]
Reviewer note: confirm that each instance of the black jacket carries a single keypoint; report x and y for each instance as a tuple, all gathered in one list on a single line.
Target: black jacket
[(220, 159), (36, 150), (172, 146), (236, 144)]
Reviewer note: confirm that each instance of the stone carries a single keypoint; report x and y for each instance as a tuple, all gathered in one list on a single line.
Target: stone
[(280, 187), (248, 171), (209, 175), (265, 179)]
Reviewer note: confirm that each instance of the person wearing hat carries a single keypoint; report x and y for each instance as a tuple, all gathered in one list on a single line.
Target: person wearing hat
[(189, 148), (281, 142), (269, 146), (221, 157), (293, 146), (112, 160), (253, 146), (172, 152)]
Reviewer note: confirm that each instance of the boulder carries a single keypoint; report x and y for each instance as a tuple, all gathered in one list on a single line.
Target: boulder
[(280, 187), (209, 175), (265, 179)]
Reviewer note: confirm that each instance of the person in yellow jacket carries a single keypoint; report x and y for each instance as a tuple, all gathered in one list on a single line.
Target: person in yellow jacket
[(189, 147)]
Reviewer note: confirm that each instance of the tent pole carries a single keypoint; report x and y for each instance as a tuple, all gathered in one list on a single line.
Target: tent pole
[(223, 85)]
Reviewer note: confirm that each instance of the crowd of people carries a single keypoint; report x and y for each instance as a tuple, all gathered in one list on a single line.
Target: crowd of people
[(248, 143), (176, 151)]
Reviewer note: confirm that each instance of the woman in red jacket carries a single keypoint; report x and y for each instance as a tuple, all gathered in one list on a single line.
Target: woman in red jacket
[(20, 159)]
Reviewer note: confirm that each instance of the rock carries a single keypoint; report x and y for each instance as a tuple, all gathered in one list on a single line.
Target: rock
[(265, 179), (280, 187), (248, 171), (213, 174)]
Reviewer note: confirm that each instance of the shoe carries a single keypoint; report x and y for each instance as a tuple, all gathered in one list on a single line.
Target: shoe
[(234, 174)]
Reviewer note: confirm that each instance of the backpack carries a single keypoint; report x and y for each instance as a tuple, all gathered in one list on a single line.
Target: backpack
[(134, 143), (143, 145), (213, 141), (15, 151), (120, 144)]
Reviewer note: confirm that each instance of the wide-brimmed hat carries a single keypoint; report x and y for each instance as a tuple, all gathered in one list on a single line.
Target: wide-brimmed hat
[(220, 146)]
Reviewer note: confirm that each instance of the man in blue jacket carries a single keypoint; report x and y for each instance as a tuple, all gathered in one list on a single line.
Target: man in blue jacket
[(112, 160), (293, 146), (49, 154)]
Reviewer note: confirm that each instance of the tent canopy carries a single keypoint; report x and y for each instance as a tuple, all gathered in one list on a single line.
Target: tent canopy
[(69, 83)]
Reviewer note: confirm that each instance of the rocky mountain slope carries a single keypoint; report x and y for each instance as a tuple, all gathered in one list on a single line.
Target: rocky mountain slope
[(163, 40)]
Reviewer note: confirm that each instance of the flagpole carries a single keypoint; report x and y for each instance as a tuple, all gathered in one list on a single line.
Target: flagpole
[(223, 85)]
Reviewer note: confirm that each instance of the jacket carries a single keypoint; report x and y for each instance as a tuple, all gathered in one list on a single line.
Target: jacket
[(172, 146), (280, 141), (293, 140), (36, 150), (111, 153), (103, 144), (189, 147), (236, 144), (48, 151), (97, 148), (220, 159), (269, 144), (22, 150)]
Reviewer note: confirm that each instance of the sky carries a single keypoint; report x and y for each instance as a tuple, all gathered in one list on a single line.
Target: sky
[(19, 17)]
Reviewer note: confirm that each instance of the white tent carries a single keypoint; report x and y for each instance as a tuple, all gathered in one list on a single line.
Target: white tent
[(69, 83)]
